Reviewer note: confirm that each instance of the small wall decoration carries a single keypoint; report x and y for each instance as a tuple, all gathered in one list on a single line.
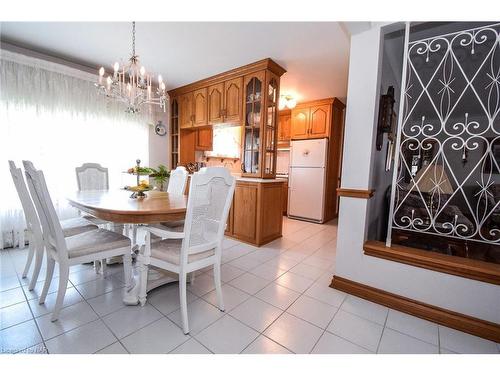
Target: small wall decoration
[(385, 116), (160, 129)]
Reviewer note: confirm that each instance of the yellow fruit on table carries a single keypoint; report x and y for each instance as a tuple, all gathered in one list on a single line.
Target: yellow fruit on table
[(144, 183)]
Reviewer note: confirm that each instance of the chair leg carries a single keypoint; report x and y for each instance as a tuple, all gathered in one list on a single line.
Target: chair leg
[(103, 267), (143, 269), (61, 291), (38, 264), (192, 277), (97, 266), (48, 279), (31, 252), (127, 270), (218, 286), (183, 301)]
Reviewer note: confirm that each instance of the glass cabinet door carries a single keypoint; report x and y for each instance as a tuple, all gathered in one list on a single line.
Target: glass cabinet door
[(252, 132), (271, 123), (174, 134)]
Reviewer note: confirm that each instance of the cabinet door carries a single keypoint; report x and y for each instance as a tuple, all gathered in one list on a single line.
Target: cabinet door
[(215, 103), (200, 107), (299, 123), (204, 139), (245, 212), (233, 100), (251, 165), (284, 127), (186, 110), (320, 121)]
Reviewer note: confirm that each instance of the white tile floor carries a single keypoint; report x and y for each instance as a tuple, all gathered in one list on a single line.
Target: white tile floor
[(277, 301)]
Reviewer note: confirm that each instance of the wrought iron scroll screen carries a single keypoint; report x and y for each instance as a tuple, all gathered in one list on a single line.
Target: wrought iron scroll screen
[(447, 182)]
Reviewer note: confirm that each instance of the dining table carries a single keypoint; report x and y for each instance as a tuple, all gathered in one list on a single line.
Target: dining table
[(117, 206)]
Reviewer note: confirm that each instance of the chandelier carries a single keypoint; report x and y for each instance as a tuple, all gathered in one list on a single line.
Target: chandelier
[(131, 85)]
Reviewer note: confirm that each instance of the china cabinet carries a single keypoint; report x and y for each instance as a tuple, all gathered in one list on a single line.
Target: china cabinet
[(260, 125)]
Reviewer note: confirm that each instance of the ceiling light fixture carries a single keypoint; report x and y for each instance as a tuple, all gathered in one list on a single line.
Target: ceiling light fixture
[(131, 85), (287, 101)]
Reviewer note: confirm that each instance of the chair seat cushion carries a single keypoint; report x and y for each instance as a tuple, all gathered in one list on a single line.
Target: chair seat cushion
[(95, 241), (170, 251), (76, 225)]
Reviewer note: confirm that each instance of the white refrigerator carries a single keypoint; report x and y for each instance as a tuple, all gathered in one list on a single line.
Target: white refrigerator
[(307, 179)]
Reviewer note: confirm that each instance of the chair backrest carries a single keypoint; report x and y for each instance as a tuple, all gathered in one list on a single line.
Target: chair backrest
[(210, 196), (92, 176), (52, 232), (30, 213), (177, 181)]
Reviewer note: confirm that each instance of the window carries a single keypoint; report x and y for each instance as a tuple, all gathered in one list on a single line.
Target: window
[(58, 122)]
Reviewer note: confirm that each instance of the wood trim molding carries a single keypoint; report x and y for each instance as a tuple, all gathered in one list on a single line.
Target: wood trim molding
[(233, 73), (452, 319), (355, 193), (468, 268)]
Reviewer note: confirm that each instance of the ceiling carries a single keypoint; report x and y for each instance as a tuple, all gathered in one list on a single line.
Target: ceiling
[(315, 54)]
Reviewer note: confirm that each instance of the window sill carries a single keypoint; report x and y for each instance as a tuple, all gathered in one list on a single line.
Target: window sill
[(463, 267)]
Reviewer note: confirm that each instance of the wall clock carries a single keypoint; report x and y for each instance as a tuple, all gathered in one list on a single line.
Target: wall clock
[(160, 129)]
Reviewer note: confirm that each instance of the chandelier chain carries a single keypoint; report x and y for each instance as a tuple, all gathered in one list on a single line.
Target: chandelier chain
[(133, 38)]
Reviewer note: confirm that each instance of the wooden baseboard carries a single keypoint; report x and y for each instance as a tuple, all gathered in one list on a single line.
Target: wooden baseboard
[(461, 322), (355, 193), (468, 268)]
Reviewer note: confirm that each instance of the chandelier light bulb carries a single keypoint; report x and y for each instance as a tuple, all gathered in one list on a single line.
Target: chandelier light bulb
[(160, 79), (291, 103), (116, 67), (101, 71), (142, 71), (162, 86)]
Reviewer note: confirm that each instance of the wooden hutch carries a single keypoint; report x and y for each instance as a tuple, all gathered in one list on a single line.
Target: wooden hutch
[(247, 97)]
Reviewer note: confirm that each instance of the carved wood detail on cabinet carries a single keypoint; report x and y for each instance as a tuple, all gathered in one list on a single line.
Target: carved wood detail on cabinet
[(215, 103), (200, 107), (186, 110), (233, 100), (319, 121), (299, 123)]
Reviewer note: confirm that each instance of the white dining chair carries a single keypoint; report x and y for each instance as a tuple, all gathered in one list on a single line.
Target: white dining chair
[(68, 251), (176, 186), (92, 176), (33, 226), (210, 195), (177, 181)]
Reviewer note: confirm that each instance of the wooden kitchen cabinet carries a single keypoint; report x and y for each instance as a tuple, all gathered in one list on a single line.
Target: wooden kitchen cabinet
[(312, 119), (256, 215), (200, 107), (215, 103), (223, 99), (185, 103), (284, 128), (225, 102), (233, 100), (204, 139), (299, 123), (319, 121)]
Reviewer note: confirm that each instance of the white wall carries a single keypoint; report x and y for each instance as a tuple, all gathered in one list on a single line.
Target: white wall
[(159, 146), (458, 294)]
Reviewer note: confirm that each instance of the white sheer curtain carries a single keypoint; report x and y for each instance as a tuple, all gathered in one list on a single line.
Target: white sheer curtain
[(51, 114)]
